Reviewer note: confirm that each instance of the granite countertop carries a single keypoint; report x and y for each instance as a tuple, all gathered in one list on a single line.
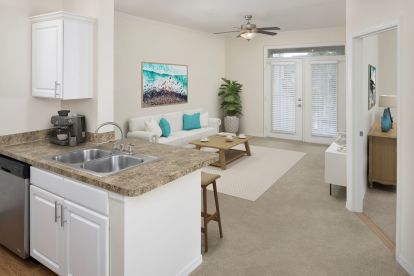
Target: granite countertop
[(173, 163)]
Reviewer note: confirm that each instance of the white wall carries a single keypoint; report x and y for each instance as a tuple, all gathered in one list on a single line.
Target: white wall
[(244, 63), (99, 109), (387, 62), (370, 56), (363, 16), (387, 67), (138, 39), (19, 111)]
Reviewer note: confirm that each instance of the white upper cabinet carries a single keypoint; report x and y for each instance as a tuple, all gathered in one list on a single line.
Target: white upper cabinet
[(62, 56)]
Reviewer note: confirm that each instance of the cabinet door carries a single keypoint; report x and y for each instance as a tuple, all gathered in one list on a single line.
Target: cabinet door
[(46, 235), (47, 59), (87, 241)]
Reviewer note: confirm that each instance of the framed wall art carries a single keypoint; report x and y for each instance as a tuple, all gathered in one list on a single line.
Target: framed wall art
[(164, 84), (372, 86)]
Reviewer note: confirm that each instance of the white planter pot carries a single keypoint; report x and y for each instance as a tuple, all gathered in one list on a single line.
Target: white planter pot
[(231, 124)]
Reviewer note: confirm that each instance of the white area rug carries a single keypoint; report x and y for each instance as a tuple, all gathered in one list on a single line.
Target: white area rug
[(250, 176)]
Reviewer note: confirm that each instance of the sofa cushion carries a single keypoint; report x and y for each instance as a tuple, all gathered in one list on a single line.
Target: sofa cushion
[(186, 136), (171, 140), (175, 119), (191, 121), (138, 123), (203, 132), (165, 127)]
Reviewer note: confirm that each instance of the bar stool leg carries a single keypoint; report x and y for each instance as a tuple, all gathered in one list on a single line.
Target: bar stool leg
[(217, 208), (205, 215)]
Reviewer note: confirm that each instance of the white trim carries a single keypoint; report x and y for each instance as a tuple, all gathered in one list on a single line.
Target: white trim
[(191, 266), (255, 134), (306, 45), (406, 265), (60, 15), (354, 194)]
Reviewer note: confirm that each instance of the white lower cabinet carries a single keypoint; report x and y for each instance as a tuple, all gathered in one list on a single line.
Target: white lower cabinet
[(86, 234), (66, 237), (46, 235)]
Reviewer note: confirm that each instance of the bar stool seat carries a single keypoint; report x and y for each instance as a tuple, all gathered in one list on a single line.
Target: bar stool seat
[(206, 180)]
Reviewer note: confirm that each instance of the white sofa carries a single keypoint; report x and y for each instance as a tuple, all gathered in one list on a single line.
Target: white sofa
[(178, 136)]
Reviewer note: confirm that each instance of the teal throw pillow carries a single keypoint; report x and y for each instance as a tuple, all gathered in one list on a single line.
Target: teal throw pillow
[(165, 127), (191, 121)]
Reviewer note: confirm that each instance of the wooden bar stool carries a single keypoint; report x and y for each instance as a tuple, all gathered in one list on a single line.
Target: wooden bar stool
[(207, 179)]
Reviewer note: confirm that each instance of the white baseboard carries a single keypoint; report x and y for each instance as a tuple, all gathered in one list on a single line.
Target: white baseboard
[(191, 266), (255, 134), (407, 266)]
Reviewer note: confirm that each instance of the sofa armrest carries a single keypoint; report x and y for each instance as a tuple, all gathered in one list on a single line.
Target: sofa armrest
[(215, 123), (146, 135)]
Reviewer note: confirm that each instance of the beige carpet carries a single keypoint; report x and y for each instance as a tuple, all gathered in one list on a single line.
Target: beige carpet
[(250, 176), (294, 228)]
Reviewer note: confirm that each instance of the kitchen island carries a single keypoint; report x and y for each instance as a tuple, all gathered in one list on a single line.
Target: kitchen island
[(141, 221)]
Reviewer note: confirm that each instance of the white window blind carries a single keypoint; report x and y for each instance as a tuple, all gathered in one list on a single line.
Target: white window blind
[(284, 98), (324, 98)]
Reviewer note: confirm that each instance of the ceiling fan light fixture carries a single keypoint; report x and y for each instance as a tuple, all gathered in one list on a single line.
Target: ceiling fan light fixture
[(248, 35)]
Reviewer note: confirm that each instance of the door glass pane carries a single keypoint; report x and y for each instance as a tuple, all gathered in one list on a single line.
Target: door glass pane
[(324, 99), (284, 98)]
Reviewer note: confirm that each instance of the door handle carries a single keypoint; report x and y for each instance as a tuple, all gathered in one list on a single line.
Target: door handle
[(299, 105)]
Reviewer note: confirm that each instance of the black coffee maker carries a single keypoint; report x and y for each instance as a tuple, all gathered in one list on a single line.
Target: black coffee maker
[(67, 130)]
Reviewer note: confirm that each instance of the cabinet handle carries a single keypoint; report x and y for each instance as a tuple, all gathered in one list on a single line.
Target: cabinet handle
[(56, 89), (56, 211)]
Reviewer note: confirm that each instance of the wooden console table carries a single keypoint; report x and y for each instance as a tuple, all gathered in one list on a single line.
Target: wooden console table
[(382, 156)]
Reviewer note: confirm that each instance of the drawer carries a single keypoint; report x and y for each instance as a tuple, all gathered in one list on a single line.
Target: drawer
[(78, 192), (48, 181)]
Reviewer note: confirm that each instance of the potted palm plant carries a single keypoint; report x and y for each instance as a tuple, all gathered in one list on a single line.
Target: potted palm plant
[(231, 105)]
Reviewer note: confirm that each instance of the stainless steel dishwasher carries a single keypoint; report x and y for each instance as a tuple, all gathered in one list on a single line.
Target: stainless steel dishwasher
[(14, 206)]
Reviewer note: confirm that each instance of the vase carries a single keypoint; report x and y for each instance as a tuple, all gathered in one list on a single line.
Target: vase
[(231, 124), (386, 121)]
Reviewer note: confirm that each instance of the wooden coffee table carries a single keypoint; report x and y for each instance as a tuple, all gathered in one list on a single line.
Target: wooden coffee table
[(225, 149)]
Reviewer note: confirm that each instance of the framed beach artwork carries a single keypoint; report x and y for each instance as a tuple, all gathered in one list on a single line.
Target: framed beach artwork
[(164, 84), (372, 86)]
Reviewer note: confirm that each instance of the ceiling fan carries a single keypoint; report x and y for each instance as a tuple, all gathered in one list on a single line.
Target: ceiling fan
[(249, 30)]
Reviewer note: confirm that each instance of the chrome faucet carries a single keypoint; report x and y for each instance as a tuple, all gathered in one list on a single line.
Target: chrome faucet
[(114, 146)]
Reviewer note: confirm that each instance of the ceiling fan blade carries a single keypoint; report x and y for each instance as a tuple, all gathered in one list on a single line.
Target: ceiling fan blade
[(269, 28), (227, 32), (266, 33)]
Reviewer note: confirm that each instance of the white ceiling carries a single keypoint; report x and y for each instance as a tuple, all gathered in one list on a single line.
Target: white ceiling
[(222, 15)]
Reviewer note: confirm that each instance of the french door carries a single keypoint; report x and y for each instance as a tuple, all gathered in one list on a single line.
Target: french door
[(301, 102), (286, 100)]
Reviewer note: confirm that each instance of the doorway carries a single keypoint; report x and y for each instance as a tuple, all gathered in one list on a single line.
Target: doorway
[(305, 93), (374, 53)]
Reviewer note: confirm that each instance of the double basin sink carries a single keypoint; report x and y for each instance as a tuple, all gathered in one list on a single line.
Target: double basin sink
[(101, 162)]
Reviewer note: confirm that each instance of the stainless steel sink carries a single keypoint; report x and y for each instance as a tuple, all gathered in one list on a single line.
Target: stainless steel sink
[(112, 164), (102, 162), (81, 156)]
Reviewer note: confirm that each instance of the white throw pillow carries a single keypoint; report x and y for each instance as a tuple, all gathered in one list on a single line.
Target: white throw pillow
[(153, 127), (204, 119)]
